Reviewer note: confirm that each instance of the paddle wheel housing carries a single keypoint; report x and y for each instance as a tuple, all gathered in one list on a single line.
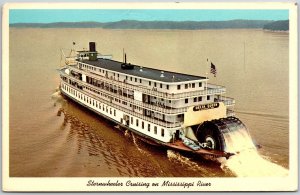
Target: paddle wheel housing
[(219, 134)]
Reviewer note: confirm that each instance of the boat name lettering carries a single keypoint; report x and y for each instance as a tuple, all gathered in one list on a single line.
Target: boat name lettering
[(206, 107)]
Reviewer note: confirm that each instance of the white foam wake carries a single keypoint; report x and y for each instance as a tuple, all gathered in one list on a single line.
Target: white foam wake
[(185, 161), (56, 95), (249, 163)]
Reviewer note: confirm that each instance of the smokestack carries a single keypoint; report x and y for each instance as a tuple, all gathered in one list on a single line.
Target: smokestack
[(125, 59), (92, 53), (92, 46)]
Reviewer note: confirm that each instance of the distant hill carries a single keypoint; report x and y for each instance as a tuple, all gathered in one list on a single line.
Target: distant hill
[(282, 25), (134, 24), (59, 25), (187, 25)]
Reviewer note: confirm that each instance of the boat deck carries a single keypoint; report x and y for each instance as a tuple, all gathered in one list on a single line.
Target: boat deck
[(149, 73), (178, 145)]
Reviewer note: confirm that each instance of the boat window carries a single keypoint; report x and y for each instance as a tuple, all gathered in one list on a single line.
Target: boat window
[(193, 85), (167, 86), (137, 122), (150, 83), (114, 112), (178, 87), (131, 120), (186, 100), (195, 99), (135, 79), (142, 124), (160, 85), (140, 80), (130, 78), (162, 132), (199, 99), (154, 84), (149, 127), (186, 86), (155, 129), (200, 84)]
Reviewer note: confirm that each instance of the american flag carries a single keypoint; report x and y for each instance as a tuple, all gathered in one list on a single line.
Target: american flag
[(213, 69)]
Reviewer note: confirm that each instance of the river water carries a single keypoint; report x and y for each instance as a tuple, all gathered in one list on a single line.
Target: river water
[(252, 64)]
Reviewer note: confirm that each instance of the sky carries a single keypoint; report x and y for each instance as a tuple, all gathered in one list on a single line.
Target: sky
[(79, 15)]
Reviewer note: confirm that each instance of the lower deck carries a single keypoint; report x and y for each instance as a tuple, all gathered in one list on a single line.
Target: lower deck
[(128, 120)]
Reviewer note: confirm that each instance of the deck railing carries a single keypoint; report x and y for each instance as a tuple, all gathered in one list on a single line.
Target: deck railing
[(210, 90), (230, 113), (226, 100), (136, 114), (151, 107)]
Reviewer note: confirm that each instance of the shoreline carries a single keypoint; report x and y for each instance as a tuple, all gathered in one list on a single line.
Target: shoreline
[(154, 29)]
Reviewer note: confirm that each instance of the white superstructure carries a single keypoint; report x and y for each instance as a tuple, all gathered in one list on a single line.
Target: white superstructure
[(160, 105)]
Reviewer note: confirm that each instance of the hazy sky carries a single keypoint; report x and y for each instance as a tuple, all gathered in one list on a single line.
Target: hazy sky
[(52, 15)]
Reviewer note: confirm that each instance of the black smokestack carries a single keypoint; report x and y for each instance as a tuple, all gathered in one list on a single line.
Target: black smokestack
[(92, 46), (125, 59)]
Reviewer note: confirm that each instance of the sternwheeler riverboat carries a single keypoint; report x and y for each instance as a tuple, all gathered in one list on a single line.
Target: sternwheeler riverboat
[(178, 111)]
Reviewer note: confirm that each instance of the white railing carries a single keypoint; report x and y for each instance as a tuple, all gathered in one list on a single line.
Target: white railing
[(226, 100), (212, 89), (151, 107), (146, 118), (230, 113), (215, 89)]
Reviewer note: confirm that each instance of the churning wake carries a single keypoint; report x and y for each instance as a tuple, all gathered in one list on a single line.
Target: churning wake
[(247, 162), (137, 146), (56, 95), (184, 161)]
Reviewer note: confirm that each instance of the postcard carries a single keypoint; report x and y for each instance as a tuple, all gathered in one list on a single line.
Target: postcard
[(149, 97)]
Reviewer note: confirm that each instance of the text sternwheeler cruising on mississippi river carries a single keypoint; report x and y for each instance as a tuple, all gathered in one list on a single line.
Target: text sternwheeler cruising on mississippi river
[(174, 110)]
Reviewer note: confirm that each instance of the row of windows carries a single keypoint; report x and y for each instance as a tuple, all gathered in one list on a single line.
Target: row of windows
[(162, 132), (160, 85), (190, 85), (109, 110), (197, 99), (88, 67), (115, 99), (186, 86), (89, 100)]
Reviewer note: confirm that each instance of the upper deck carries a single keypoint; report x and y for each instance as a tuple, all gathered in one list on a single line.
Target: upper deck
[(143, 72)]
